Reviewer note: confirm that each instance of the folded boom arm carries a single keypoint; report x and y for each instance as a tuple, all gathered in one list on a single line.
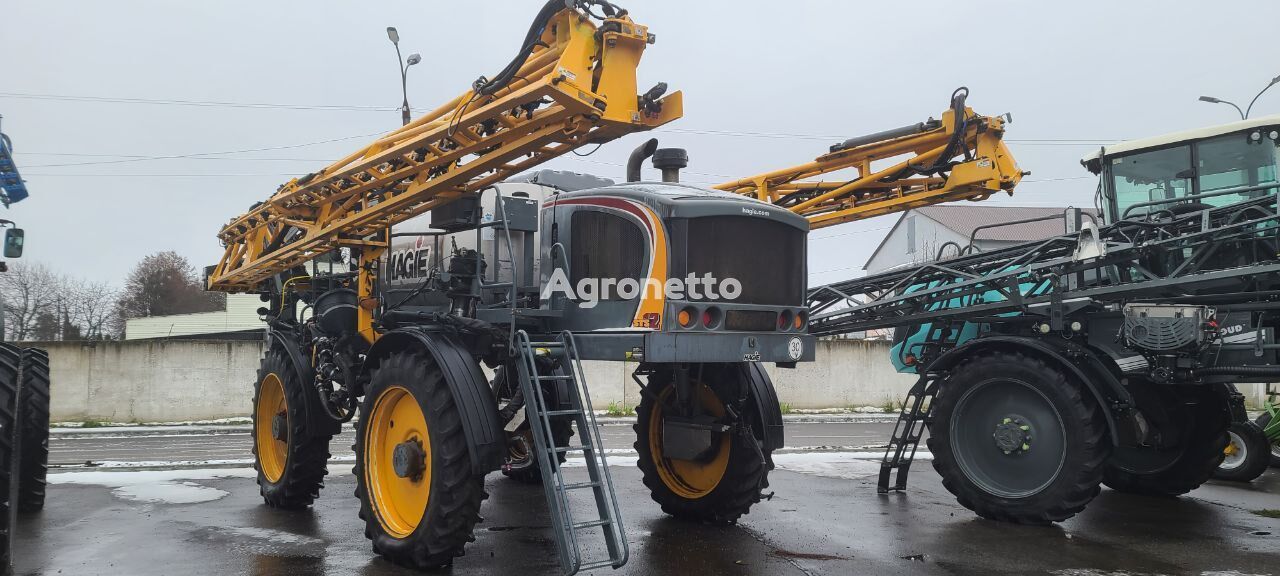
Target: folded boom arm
[(960, 157), (574, 84)]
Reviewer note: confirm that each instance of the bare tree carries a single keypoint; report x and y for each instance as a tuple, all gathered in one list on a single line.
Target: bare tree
[(165, 283), (31, 291), (91, 308)]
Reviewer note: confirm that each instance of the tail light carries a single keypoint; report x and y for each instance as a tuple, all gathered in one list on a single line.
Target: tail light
[(711, 317), (802, 318), (784, 320)]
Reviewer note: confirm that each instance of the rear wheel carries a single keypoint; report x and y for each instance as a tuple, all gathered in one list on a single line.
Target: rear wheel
[(33, 416), (718, 486), (291, 459), (9, 453), (1247, 455), (1202, 417), (1016, 439), (418, 495)]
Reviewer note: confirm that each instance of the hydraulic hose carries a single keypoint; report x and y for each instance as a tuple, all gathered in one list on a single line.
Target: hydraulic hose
[(1239, 371), (486, 87)]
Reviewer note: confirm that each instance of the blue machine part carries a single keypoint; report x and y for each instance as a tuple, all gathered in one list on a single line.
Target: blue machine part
[(912, 342), (12, 188)]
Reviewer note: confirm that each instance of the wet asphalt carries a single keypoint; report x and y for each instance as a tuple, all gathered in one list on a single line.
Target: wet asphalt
[(231, 443), (824, 518)]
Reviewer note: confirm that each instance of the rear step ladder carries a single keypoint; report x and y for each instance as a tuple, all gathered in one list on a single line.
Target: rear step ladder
[(917, 409), (563, 522)]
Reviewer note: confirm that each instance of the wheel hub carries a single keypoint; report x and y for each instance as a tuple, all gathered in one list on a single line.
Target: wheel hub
[(280, 427), (409, 460), (1013, 435)]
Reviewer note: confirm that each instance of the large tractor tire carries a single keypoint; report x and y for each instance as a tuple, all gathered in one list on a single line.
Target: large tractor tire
[(1018, 440), (1248, 453), (522, 458), (291, 459), (1204, 420), (9, 454), (33, 416), (419, 497), (719, 488)]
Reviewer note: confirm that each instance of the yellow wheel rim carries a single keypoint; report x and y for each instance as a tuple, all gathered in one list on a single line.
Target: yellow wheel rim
[(399, 502), (272, 453), (688, 478)]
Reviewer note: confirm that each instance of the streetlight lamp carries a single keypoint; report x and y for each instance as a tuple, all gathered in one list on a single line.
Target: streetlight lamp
[(1244, 114), (404, 72)]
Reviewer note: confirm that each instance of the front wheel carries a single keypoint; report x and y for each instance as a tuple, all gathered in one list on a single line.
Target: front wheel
[(1247, 455), (1017, 439), (719, 485), (419, 498)]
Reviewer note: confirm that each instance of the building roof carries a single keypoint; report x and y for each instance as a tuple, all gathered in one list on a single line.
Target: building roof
[(963, 220), (1091, 159)]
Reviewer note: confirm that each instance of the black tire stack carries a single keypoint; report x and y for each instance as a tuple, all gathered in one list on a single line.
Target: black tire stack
[(33, 419), (9, 453)]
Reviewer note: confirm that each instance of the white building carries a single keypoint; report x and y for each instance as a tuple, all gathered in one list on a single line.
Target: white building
[(920, 234), (240, 315)]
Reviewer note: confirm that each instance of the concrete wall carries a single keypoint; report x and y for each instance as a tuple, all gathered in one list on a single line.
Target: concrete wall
[(171, 381), (151, 381)]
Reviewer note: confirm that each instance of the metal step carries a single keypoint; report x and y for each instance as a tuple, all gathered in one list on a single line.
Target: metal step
[(912, 420), (566, 528)]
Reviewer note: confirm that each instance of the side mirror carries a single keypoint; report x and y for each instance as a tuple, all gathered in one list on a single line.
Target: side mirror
[(13, 239)]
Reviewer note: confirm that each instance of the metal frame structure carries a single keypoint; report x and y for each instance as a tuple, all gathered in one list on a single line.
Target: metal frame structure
[(576, 86), (960, 157), (1068, 272)]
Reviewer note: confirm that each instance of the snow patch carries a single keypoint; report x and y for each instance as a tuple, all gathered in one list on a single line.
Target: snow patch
[(269, 535), (156, 486), (169, 493), (843, 465)]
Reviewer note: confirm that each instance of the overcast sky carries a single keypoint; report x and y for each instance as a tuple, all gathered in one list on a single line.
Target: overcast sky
[(767, 84)]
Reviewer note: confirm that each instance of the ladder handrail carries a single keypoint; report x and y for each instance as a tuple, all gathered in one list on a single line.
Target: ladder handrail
[(589, 415), (555, 489)]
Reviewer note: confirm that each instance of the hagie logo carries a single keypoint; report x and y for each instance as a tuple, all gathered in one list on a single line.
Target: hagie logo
[(754, 212), (409, 264)]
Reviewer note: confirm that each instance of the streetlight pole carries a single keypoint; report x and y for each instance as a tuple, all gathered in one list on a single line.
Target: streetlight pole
[(1212, 100), (1244, 114), (404, 72), (1274, 81)]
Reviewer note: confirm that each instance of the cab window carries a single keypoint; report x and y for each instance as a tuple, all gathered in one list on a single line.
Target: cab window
[(1147, 176)]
